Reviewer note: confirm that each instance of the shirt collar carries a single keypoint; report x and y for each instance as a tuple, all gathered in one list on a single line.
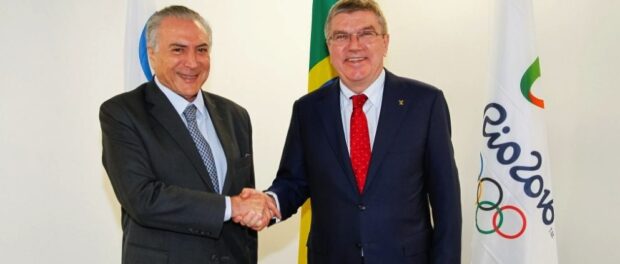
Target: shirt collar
[(374, 92), (178, 102)]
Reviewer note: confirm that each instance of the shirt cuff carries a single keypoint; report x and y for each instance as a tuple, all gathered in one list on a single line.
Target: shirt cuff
[(228, 212), (275, 197)]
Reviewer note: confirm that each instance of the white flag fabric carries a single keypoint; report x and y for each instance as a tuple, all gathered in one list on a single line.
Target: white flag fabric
[(514, 219), (137, 69)]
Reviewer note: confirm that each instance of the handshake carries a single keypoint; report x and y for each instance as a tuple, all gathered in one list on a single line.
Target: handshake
[(253, 209)]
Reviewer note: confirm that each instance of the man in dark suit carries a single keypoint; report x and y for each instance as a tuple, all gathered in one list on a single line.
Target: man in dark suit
[(177, 155), (373, 152)]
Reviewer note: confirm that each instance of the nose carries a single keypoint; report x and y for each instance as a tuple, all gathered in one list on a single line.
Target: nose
[(354, 42), (191, 60)]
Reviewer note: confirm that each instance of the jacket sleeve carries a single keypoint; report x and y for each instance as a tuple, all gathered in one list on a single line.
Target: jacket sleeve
[(442, 185), (290, 183)]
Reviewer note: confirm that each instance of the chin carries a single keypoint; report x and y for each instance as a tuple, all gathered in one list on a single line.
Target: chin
[(358, 77)]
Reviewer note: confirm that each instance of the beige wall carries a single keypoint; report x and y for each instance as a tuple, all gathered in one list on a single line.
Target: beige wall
[(60, 59)]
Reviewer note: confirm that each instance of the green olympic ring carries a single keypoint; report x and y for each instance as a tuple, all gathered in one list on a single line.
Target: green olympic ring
[(499, 211)]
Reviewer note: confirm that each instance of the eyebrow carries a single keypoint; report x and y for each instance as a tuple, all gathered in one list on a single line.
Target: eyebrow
[(363, 29), (179, 45), (367, 28)]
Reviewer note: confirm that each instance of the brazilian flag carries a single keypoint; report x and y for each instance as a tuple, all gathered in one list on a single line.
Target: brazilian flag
[(320, 72)]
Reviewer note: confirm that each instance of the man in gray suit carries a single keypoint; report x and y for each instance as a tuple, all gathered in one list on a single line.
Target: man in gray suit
[(178, 157)]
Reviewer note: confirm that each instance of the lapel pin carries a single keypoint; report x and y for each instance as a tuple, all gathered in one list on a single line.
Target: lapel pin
[(401, 102)]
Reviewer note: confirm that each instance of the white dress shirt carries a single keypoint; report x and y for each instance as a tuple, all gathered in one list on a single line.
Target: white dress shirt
[(372, 107)]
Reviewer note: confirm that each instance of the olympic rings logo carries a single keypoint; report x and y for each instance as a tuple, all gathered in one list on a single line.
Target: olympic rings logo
[(498, 216)]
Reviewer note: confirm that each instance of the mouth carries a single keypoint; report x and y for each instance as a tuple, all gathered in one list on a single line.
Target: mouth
[(188, 77), (355, 59)]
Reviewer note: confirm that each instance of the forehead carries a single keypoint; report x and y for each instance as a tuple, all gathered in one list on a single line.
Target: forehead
[(348, 21), (173, 27)]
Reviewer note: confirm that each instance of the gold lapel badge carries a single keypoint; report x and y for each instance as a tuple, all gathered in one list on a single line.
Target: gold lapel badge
[(401, 102)]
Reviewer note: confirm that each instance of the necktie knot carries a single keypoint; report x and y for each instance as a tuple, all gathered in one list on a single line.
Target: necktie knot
[(359, 100), (190, 112)]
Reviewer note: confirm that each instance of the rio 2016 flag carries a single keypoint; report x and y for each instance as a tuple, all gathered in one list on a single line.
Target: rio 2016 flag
[(137, 69), (321, 71), (514, 216)]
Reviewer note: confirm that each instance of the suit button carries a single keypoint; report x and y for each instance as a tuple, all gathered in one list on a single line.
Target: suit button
[(361, 207)]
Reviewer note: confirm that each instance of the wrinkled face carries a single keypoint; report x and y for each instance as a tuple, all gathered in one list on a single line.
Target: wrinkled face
[(359, 60), (180, 57)]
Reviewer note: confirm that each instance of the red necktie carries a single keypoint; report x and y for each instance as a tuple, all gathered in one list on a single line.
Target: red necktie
[(359, 141)]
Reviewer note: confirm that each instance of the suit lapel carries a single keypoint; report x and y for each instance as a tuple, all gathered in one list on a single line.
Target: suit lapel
[(163, 111), (224, 135), (393, 110), (328, 108)]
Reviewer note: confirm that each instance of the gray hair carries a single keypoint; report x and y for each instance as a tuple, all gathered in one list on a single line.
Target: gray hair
[(152, 25), (350, 6)]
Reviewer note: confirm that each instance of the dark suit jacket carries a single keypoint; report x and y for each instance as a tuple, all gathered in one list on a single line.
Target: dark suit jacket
[(412, 170), (170, 213)]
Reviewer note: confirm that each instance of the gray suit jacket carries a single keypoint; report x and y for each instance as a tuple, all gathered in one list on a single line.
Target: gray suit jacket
[(170, 213)]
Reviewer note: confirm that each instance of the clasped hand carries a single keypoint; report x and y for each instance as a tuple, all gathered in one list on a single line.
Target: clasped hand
[(253, 209)]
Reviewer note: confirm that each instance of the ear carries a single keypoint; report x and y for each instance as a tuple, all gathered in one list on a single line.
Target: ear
[(329, 48), (150, 52), (386, 42), (152, 58)]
